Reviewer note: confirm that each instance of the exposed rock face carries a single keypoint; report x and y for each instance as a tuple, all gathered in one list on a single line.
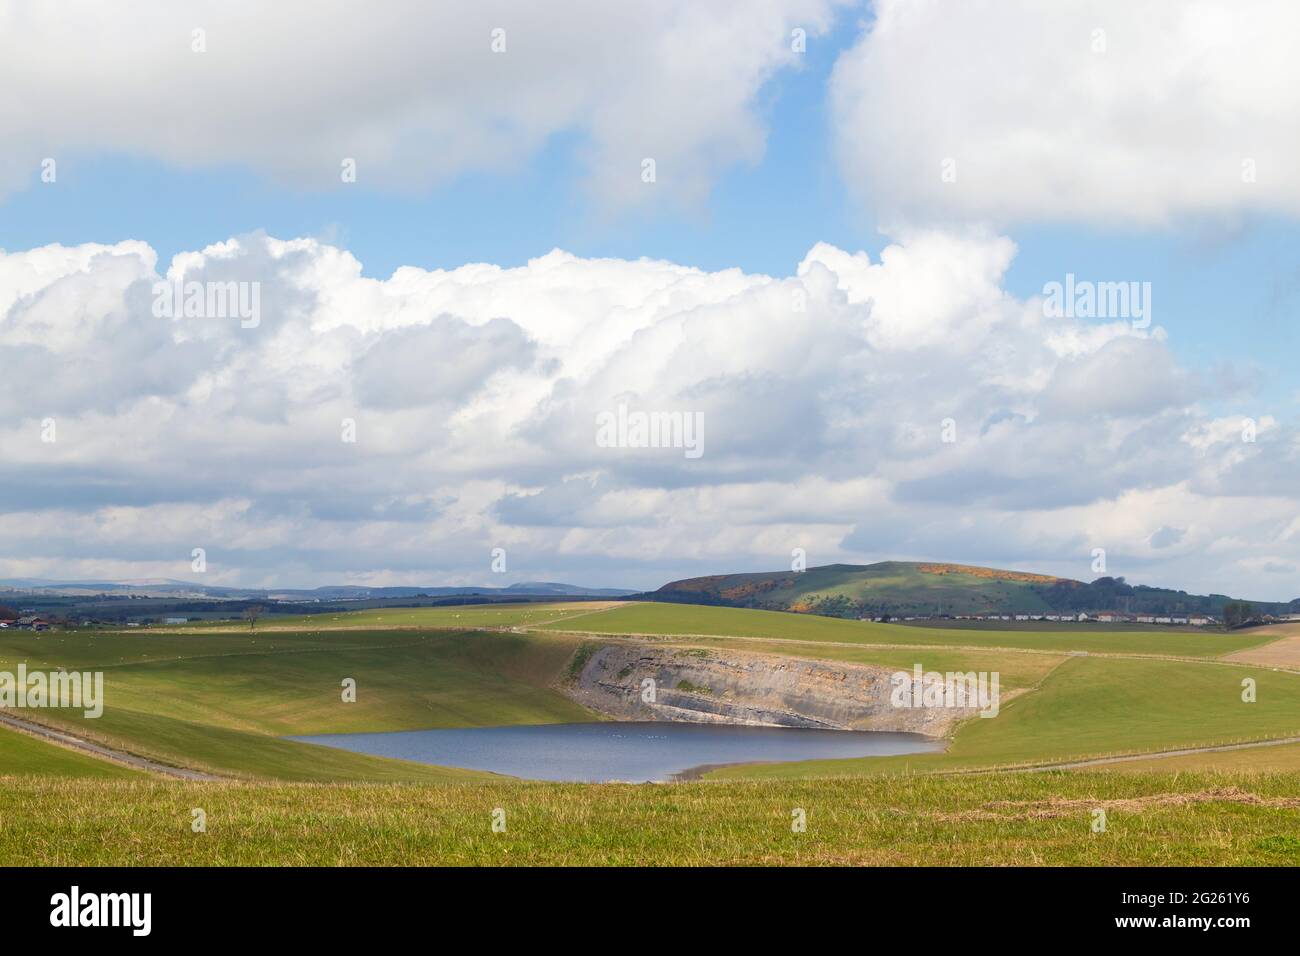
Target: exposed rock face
[(705, 685)]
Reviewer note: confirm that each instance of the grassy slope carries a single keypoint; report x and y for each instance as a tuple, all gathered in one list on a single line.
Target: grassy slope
[(900, 584), (650, 618), (467, 616), (1094, 707), (1252, 760), (904, 585), (1005, 819), (224, 707), (221, 701), (96, 650), (22, 754), (218, 700)]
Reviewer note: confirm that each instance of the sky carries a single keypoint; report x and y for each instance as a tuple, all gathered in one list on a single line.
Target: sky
[(826, 233)]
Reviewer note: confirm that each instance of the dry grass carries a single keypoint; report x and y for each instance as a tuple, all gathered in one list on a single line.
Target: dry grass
[(988, 820), (1282, 651)]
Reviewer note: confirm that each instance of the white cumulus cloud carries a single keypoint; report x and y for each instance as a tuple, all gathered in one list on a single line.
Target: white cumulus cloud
[(414, 92), (473, 394), (1112, 112)]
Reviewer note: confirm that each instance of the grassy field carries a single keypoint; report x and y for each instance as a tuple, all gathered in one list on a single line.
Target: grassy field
[(223, 701), (458, 616), (23, 754), (1281, 647), (1094, 707), (1012, 819), (681, 619), (1283, 757)]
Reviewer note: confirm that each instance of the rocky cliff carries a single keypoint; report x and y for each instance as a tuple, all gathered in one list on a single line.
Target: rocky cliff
[(629, 681)]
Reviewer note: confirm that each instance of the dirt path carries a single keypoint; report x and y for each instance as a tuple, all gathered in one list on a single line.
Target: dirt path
[(1128, 758), (1283, 653), (107, 753), (520, 628)]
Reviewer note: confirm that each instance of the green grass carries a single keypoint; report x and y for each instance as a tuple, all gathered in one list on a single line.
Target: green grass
[(687, 687), (96, 650), (236, 753), (902, 584), (1188, 820), (1091, 707), (1250, 760), (22, 754), (224, 708), (689, 619), (458, 616), (223, 702)]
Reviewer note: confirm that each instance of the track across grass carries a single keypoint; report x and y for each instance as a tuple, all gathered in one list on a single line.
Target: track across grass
[(22, 754), (688, 619), (1270, 759)]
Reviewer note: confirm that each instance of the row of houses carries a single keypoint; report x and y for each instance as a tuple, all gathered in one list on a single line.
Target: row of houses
[(1111, 618), (29, 623), (1197, 620)]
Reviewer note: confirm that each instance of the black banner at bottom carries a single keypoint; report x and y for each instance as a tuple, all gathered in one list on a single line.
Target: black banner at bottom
[(304, 905)]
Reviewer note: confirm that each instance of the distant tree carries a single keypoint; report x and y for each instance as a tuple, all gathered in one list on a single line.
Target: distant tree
[(251, 614), (8, 613), (1236, 613)]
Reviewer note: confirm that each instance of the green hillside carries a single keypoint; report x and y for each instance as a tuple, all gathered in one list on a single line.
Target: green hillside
[(681, 620), (908, 588), (21, 755)]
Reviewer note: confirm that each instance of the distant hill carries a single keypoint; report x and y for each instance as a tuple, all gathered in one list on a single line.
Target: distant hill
[(571, 590), (906, 588)]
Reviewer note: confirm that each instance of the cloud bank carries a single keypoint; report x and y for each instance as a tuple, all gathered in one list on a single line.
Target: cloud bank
[(905, 407), (1113, 112), (415, 93)]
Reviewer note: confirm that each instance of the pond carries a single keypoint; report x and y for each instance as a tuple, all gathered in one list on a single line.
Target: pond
[(633, 751)]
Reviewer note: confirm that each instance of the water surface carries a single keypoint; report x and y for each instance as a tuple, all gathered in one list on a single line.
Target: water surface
[(599, 752)]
